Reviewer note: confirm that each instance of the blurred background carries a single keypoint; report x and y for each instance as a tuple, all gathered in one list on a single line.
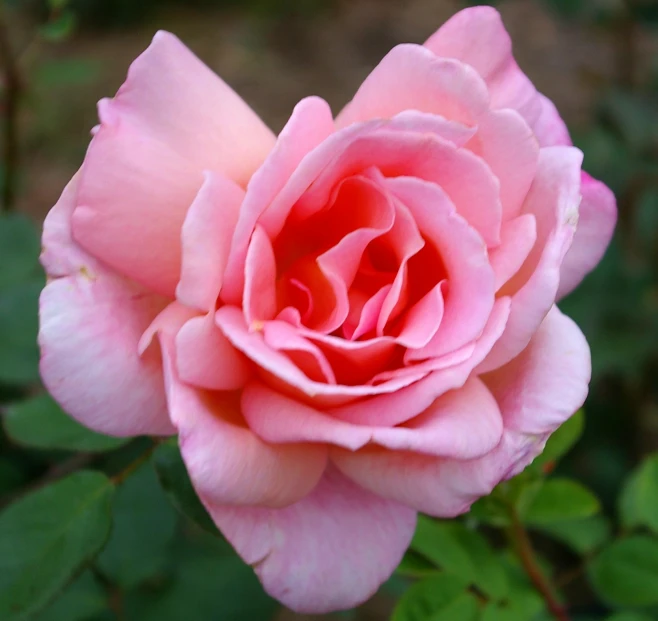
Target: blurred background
[(596, 59)]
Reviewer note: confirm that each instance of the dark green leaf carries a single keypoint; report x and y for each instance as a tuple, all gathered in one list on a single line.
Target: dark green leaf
[(583, 536), (638, 503), (40, 423), (57, 5), (82, 599), (19, 250), (19, 355), (47, 537), (560, 500), (429, 597), (461, 551), (626, 572), (629, 616), (560, 443), (176, 483), (464, 608), (213, 582), (144, 524), (415, 565)]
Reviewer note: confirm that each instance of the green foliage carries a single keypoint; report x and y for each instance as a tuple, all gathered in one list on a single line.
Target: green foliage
[(176, 483), (638, 503), (429, 597), (47, 537), (82, 600), (558, 500), (560, 443), (144, 525), (39, 422), (583, 536), (626, 572)]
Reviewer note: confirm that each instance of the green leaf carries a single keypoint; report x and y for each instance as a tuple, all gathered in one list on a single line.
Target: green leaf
[(19, 323), (638, 502), (560, 442), (81, 600), (429, 597), (626, 572), (415, 565), (176, 482), (144, 524), (464, 608), (559, 500), (40, 423), (629, 616), (461, 551), (19, 250), (583, 536), (47, 537), (57, 5), (213, 582)]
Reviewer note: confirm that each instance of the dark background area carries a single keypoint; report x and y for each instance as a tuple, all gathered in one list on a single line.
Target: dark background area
[(596, 59)]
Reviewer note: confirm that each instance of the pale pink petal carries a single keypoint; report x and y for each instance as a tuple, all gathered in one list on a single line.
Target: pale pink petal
[(259, 301), (206, 237), (412, 78), (547, 382), (133, 196), (310, 124), (553, 201), (506, 143), (366, 314), (428, 123), (470, 296), (550, 128), (90, 324), (330, 551), (437, 486), (206, 359), (477, 36), (181, 103), (423, 319), (517, 237), (597, 217), (226, 461)]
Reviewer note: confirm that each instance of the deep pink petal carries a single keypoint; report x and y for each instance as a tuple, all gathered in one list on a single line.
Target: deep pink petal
[(206, 359), (517, 238), (424, 318), (206, 237), (259, 301), (90, 324), (471, 280), (310, 124), (597, 217), (553, 201), (330, 551), (181, 103), (547, 382), (412, 78)]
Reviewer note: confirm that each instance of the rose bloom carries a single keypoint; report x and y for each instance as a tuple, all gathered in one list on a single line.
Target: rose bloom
[(345, 324)]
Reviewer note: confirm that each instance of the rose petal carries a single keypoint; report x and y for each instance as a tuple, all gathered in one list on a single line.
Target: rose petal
[(597, 217), (206, 238), (330, 551), (259, 301), (174, 97), (517, 238), (90, 324)]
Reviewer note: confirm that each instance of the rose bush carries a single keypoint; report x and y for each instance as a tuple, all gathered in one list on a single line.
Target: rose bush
[(345, 324)]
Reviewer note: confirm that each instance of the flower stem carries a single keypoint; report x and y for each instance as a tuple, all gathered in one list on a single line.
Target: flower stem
[(520, 539)]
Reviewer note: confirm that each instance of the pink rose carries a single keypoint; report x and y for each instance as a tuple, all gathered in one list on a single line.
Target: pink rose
[(354, 321)]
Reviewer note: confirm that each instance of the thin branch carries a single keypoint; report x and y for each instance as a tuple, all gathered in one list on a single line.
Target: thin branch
[(10, 108), (520, 539)]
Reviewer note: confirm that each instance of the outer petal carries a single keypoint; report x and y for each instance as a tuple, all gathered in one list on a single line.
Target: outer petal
[(412, 78), (596, 223), (91, 322), (226, 461), (176, 99), (553, 200), (206, 239), (330, 551), (536, 393), (477, 36), (550, 129)]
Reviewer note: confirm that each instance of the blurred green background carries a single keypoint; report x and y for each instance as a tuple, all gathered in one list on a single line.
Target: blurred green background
[(596, 59)]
